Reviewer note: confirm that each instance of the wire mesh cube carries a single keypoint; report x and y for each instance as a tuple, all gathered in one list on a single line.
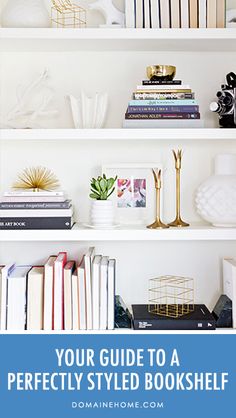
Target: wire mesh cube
[(171, 296), (65, 14)]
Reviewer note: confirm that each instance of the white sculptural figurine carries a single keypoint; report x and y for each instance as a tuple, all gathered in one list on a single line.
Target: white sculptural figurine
[(89, 112), (112, 15)]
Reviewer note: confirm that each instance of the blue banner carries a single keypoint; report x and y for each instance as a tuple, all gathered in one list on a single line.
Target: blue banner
[(145, 375)]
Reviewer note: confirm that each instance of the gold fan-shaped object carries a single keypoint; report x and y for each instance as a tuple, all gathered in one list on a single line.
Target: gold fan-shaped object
[(36, 178)]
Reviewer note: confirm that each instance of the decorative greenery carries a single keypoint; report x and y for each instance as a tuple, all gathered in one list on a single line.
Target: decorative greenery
[(36, 178), (102, 188)]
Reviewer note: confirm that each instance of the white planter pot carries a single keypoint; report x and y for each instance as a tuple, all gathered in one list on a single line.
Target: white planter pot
[(25, 14), (102, 213), (216, 197)]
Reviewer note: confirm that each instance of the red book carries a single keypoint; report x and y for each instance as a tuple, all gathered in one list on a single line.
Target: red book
[(58, 291)]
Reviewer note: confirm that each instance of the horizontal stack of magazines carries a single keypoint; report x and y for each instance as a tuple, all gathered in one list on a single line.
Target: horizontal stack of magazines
[(35, 210), (163, 104)]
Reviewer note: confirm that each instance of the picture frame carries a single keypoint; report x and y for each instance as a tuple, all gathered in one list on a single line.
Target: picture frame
[(134, 197)]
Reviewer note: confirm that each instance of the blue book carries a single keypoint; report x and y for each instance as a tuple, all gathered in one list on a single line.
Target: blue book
[(163, 109)]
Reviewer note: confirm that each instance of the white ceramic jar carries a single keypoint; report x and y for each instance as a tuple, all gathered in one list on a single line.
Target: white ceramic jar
[(216, 197), (25, 14), (102, 213)]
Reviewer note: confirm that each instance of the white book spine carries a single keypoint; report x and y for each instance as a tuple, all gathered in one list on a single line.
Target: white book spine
[(104, 297), (88, 287), (35, 304), (165, 13), (96, 292), (48, 297), (75, 305), (5, 272), (155, 14), (16, 318), (35, 213), (111, 294), (139, 13), (163, 87), (184, 12), (146, 6), (32, 194), (202, 7), (130, 13), (175, 13), (82, 298), (68, 299), (58, 302)]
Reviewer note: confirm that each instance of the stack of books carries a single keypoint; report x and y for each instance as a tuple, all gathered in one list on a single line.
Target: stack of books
[(35, 210), (163, 104), (175, 13), (59, 295)]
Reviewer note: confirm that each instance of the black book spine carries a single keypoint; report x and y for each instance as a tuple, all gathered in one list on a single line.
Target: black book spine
[(162, 82), (35, 223), (180, 324), (36, 205)]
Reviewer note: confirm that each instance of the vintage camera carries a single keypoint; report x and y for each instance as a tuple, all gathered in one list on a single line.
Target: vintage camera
[(226, 104)]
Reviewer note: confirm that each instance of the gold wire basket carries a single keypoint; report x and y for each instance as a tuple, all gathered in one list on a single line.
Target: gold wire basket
[(65, 14), (171, 296)]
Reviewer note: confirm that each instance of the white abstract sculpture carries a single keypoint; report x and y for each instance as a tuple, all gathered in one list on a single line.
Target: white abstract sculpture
[(89, 112), (25, 14), (32, 103), (112, 15)]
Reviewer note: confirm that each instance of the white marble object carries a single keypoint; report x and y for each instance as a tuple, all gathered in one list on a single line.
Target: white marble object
[(25, 14), (89, 112), (113, 16), (216, 197)]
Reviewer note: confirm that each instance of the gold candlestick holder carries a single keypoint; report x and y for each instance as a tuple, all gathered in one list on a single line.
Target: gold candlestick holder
[(158, 224), (178, 222)]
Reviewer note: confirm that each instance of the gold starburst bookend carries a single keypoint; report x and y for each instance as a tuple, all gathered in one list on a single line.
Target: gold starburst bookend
[(36, 179)]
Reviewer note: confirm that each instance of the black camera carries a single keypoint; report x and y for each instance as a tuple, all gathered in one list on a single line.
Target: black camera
[(226, 104)]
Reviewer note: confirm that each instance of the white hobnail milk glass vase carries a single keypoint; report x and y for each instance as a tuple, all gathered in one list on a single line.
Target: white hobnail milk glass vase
[(25, 14), (216, 197)]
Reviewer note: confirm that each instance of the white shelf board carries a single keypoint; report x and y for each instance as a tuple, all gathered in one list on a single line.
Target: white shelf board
[(120, 331), (53, 39), (129, 233), (116, 134)]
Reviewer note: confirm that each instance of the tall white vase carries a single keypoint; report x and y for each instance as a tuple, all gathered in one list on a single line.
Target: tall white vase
[(25, 14), (216, 197)]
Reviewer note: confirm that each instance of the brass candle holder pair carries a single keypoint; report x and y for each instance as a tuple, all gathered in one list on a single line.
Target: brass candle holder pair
[(178, 222)]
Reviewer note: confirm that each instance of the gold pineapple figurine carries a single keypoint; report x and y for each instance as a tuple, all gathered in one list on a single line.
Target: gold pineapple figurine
[(158, 224), (178, 221)]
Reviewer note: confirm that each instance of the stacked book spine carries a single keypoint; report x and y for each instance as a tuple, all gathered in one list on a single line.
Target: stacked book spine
[(35, 210), (59, 295), (175, 13), (163, 104)]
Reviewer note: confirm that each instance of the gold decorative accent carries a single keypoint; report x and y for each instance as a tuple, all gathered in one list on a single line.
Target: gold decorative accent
[(158, 224), (178, 161), (66, 14), (166, 72), (36, 179), (171, 296)]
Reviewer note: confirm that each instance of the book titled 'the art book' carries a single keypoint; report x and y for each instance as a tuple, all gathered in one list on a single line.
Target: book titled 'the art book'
[(199, 319)]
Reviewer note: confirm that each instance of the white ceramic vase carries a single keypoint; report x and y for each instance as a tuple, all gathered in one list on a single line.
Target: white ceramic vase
[(102, 213), (89, 112), (216, 197), (25, 14)]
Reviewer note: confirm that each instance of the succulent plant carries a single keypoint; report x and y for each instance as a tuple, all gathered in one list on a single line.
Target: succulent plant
[(102, 187)]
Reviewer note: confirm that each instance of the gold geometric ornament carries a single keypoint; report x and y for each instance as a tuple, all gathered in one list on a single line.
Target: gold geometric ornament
[(65, 14), (36, 179)]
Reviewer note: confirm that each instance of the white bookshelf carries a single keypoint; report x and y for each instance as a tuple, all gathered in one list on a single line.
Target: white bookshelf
[(118, 134), (80, 233), (93, 39)]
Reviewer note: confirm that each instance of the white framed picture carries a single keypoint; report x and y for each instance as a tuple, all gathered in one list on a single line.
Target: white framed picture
[(135, 195)]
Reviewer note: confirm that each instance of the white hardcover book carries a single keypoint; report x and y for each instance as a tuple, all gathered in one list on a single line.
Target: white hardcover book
[(184, 13), (202, 13), (6, 270), (155, 14), (32, 193), (35, 299), (103, 292), (58, 313), (16, 303), (35, 213), (175, 13), (146, 5), (111, 294), (32, 199), (88, 258), (75, 302), (48, 293), (82, 296), (229, 284), (96, 290), (130, 13), (211, 13), (1, 267), (68, 271), (163, 87), (139, 14), (165, 14)]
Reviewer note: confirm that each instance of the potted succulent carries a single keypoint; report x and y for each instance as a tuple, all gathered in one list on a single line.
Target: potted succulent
[(102, 210)]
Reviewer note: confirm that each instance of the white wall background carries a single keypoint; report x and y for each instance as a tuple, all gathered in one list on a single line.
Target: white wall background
[(75, 162)]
